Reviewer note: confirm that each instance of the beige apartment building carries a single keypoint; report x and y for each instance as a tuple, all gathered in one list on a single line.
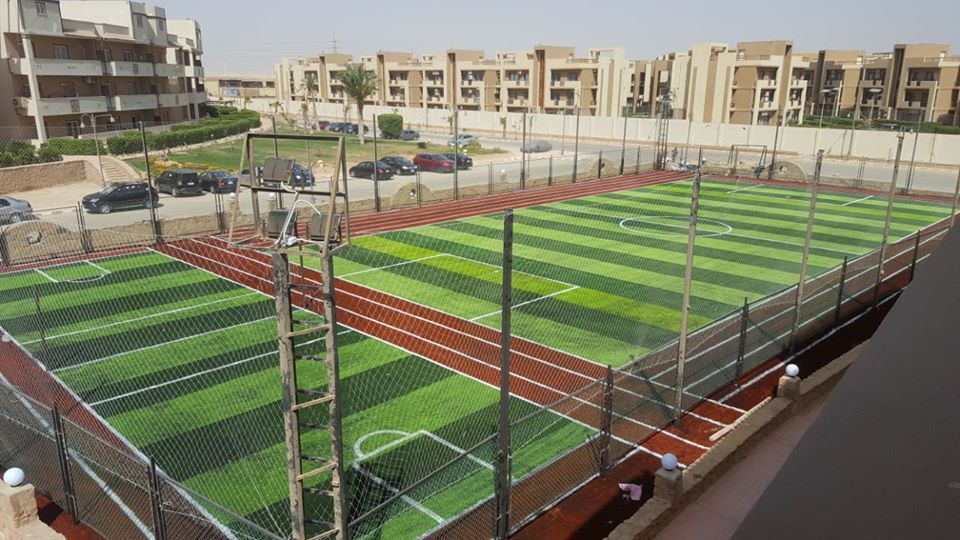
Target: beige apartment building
[(122, 62), (235, 88), (756, 82)]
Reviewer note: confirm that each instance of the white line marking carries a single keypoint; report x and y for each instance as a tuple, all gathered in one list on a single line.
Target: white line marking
[(358, 444), (46, 275), (498, 268), (411, 261), (385, 485), (154, 346), (151, 316), (856, 201), (98, 267), (752, 186), (455, 448), (528, 302)]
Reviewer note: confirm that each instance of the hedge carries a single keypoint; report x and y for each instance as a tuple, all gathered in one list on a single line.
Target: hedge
[(74, 147), (203, 131), (18, 153)]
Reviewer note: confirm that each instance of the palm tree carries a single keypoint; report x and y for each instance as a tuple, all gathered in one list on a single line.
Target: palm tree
[(358, 83), (246, 101), (303, 110), (275, 105), (503, 124), (309, 88)]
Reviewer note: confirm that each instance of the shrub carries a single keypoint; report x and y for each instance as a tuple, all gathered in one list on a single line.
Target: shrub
[(20, 150), (390, 125), (73, 147), (6, 159), (422, 145), (205, 130), (47, 154)]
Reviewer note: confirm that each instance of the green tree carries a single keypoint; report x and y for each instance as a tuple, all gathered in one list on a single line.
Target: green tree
[(359, 84), (503, 124), (275, 105), (391, 125), (303, 111), (309, 87), (246, 101)]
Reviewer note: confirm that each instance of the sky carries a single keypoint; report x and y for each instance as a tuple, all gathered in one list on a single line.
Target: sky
[(249, 37)]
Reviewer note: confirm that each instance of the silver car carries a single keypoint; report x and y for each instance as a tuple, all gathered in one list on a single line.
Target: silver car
[(14, 210)]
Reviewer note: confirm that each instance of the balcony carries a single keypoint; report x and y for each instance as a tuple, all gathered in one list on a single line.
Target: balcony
[(63, 106), (516, 83), (908, 104), (172, 100), (169, 70), (128, 69), (399, 83), (469, 100), (871, 83), (922, 84), (798, 83), (433, 82), (766, 83), (795, 103), (517, 101), (766, 105), (133, 102), (56, 67), (197, 97), (435, 99), (193, 71), (833, 83), (397, 97), (470, 82)]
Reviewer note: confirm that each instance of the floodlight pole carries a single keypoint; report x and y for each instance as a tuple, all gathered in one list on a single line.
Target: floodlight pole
[(804, 259), (523, 154), (456, 154), (157, 233), (886, 222), (623, 146), (504, 457), (376, 172), (576, 145), (688, 277)]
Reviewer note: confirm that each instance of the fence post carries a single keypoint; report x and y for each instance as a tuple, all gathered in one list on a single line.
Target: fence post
[(419, 189), (637, 171), (156, 504), (40, 322), (916, 252), (843, 281), (956, 195), (886, 222), (550, 172), (154, 222), (606, 420), (599, 164), (685, 308), (503, 433), (804, 259), (63, 458), (85, 242), (742, 345), (490, 178)]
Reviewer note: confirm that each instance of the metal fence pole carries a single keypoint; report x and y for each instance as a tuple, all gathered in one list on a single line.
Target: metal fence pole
[(523, 155), (637, 168), (419, 190), (376, 173), (599, 164), (606, 421), (742, 344), (623, 146), (886, 222), (490, 178), (157, 232), (843, 281), (41, 326), (685, 308), (916, 252), (156, 504), (576, 148), (64, 461), (805, 258), (550, 171), (456, 154), (913, 163), (956, 195), (503, 434), (85, 241)]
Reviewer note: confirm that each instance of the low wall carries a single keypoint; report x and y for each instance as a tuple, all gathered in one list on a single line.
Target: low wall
[(45, 175)]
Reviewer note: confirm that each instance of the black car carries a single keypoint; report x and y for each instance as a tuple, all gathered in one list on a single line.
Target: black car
[(179, 182), (353, 129), (364, 169), (301, 176), (335, 126), (120, 195), (218, 182), (463, 161), (400, 165)]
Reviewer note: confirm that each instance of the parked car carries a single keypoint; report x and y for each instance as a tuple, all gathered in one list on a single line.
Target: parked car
[(335, 126), (353, 129), (364, 169), (323, 124), (301, 176), (463, 161), (245, 176), (179, 182), (400, 165), (433, 162), (409, 135), (462, 140), (218, 182), (536, 146), (14, 210), (120, 195)]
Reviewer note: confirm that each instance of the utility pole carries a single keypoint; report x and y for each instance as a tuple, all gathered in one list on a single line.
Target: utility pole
[(576, 145)]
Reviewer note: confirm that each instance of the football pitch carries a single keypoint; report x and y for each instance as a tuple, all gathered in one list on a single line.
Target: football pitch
[(183, 363)]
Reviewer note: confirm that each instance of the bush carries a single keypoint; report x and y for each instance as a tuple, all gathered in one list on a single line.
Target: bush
[(391, 125), (422, 145), (205, 130), (48, 154), (73, 147), (6, 159)]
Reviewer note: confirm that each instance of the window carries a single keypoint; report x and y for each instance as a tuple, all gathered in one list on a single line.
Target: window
[(60, 52), (139, 21), (162, 24), (104, 55), (73, 128), (67, 89), (41, 9), (132, 88), (127, 55)]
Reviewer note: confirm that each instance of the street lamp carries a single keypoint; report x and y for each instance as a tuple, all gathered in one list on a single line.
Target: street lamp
[(96, 140), (823, 104), (874, 96)]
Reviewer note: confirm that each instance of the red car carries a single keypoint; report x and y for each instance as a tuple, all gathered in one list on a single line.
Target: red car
[(433, 162)]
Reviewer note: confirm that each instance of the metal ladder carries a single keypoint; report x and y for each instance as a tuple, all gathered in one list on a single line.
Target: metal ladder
[(663, 127), (305, 468)]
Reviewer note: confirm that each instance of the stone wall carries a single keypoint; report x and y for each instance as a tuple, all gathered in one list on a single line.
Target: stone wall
[(45, 175)]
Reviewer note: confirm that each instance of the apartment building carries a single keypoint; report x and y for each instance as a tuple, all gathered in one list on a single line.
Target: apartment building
[(235, 88), (914, 82), (123, 62), (756, 82)]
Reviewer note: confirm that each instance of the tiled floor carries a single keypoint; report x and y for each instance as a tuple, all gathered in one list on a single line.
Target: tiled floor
[(717, 513)]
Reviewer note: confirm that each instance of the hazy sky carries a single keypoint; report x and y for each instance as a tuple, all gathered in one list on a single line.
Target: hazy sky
[(250, 36)]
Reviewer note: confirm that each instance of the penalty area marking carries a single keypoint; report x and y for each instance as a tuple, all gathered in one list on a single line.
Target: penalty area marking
[(103, 273), (658, 221)]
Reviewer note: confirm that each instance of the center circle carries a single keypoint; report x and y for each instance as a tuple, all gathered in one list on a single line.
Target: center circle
[(673, 226)]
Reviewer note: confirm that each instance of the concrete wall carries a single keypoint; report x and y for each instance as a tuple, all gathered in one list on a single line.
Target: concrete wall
[(44, 175), (881, 145)]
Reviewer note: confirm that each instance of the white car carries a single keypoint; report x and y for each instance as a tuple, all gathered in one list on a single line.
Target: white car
[(462, 140)]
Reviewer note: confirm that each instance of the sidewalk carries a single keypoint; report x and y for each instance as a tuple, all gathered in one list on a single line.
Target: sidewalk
[(718, 512)]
